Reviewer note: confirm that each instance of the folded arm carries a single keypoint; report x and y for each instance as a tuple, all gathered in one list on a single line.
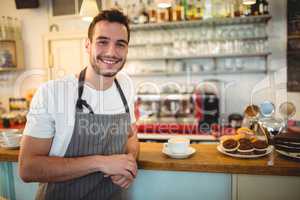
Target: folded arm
[(36, 166)]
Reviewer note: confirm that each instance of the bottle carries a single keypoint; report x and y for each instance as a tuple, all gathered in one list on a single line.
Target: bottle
[(152, 11), (177, 11), (237, 12), (247, 10), (266, 7), (254, 9), (163, 15), (198, 9), (229, 10), (241, 8), (190, 10), (135, 14), (185, 8), (260, 7), (207, 13), (143, 15)]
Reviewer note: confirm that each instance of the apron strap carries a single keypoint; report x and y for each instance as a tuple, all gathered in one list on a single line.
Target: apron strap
[(122, 96), (80, 102)]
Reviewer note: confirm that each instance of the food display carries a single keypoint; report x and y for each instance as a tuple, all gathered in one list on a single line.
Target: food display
[(245, 144), (288, 144)]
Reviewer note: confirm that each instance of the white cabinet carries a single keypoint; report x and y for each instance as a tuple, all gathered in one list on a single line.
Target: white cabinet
[(258, 187)]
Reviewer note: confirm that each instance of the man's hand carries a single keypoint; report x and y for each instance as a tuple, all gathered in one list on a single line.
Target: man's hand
[(121, 181), (123, 164)]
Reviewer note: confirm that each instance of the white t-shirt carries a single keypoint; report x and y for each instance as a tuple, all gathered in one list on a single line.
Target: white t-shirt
[(52, 109)]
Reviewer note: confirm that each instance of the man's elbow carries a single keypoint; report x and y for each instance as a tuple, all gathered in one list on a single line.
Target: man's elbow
[(25, 171)]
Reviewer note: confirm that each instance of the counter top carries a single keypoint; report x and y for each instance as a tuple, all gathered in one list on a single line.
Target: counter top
[(206, 159), (8, 155)]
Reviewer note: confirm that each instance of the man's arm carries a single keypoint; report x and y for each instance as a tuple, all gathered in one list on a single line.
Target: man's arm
[(36, 166), (132, 148)]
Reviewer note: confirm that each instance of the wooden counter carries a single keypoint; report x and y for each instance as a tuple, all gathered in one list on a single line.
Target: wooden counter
[(8, 155), (206, 159)]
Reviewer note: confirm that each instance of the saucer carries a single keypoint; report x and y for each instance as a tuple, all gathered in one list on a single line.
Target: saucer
[(289, 154), (11, 147), (190, 151)]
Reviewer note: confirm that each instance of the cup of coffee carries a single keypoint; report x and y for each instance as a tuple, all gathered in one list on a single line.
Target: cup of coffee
[(11, 139), (177, 145)]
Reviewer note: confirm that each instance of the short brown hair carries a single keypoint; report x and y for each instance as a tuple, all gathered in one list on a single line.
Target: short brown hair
[(112, 15)]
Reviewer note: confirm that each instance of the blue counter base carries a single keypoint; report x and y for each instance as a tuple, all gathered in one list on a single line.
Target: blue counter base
[(149, 185)]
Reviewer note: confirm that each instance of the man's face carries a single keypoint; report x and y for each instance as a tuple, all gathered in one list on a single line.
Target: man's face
[(108, 48)]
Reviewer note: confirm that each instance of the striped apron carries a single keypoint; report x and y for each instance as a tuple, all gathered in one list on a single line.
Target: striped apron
[(101, 134)]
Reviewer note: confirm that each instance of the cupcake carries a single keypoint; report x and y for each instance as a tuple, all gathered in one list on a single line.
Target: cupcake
[(260, 146), (245, 147), (245, 141), (230, 145)]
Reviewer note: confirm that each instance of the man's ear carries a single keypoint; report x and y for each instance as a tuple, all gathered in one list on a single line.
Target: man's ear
[(87, 45)]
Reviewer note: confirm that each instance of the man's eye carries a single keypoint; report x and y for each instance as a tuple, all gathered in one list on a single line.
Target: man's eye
[(102, 42), (121, 45)]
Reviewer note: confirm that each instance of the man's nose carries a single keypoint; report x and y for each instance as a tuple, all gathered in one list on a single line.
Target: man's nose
[(111, 50)]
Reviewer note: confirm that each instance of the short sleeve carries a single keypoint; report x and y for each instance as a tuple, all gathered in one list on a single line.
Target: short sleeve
[(40, 122)]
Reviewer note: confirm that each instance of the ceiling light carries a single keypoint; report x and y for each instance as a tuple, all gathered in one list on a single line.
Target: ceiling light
[(163, 3), (249, 2), (88, 10)]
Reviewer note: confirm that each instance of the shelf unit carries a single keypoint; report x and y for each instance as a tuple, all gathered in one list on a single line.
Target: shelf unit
[(213, 23)]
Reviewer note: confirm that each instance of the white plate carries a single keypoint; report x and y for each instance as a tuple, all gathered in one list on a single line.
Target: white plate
[(191, 151), (288, 154), (4, 146), (220, 149)]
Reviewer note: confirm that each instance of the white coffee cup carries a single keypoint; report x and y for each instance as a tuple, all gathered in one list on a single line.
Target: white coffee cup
[(11, 139), (177, 145)]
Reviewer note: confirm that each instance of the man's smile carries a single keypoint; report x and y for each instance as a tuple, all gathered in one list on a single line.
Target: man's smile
[(109, 61)]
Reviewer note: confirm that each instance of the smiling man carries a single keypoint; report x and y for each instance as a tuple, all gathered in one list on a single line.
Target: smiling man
[(80, 140)]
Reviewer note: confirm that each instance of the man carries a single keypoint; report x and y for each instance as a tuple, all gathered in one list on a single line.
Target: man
[(80, 142)]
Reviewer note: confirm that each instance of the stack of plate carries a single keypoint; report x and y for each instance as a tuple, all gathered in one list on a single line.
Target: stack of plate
[(288, 144)]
